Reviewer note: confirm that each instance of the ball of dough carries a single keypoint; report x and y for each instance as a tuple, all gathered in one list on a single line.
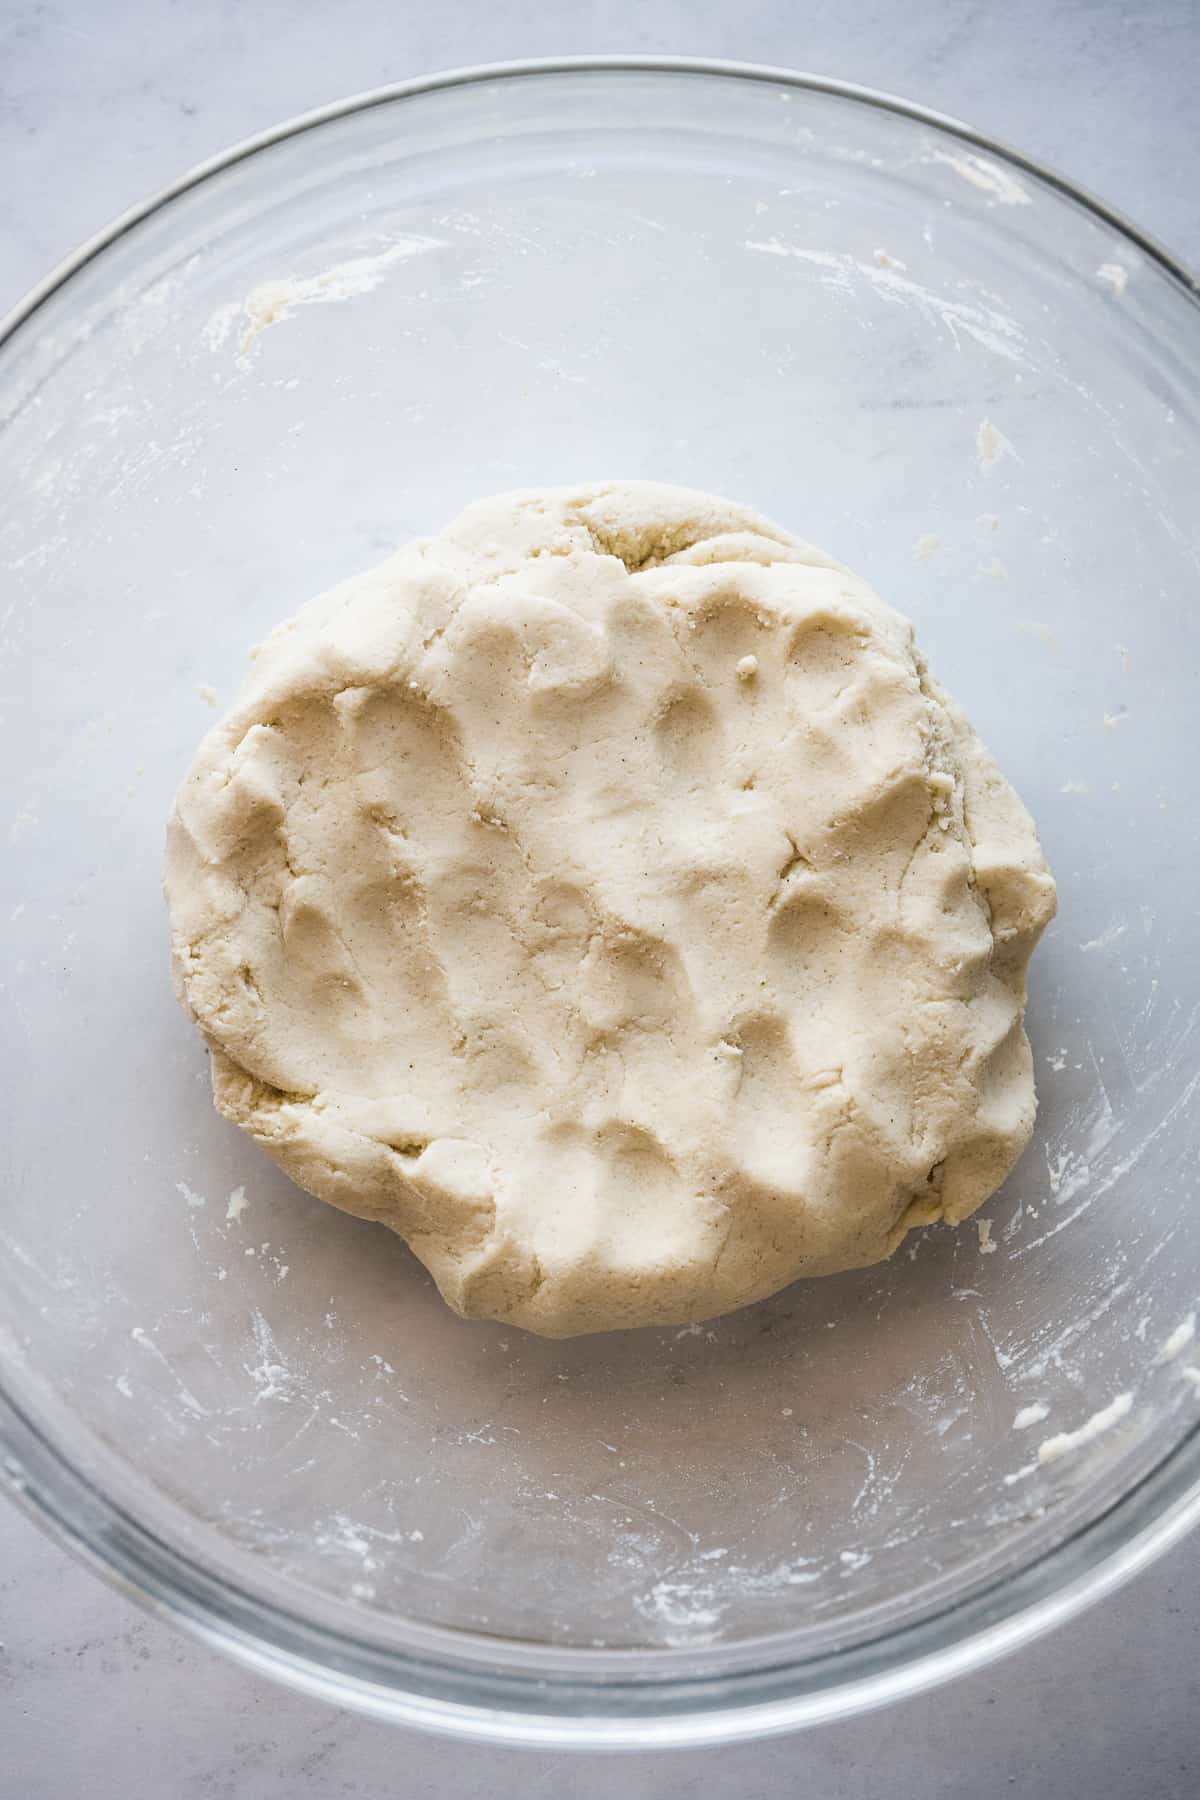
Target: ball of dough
[(604, 896)]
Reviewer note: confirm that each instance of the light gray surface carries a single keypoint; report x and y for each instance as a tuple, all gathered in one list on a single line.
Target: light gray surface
[(98, 106)]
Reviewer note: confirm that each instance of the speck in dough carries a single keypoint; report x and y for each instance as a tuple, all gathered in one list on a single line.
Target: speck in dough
[(603, 895)]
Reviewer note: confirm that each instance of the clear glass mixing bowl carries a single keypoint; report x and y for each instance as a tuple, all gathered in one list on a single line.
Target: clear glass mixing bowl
[(968, 381)]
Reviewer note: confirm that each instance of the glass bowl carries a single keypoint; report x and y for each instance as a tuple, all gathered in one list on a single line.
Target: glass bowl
[(965, 379)]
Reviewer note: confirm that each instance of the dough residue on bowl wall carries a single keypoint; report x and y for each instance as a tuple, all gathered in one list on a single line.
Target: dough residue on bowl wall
[(1051, 1448), (270, 302)]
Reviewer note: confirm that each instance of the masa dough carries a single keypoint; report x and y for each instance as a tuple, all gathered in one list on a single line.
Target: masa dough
[(603, 895)]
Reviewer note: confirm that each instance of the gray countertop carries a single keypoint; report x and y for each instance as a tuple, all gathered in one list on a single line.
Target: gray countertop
[(100, 104)]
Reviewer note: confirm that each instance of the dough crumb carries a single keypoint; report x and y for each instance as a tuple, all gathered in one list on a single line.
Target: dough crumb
[(991, 445), (1178, 1341)]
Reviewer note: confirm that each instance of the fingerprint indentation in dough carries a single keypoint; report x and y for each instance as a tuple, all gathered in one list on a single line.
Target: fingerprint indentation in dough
[(724, 629), (647, 1213), (633, 978), (688, 734), (808, 946), (415, 742), (320, 970), (773, 1147), (824, 654)]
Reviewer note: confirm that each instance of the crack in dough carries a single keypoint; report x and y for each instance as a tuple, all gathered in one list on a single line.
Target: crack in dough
[(626, 988)]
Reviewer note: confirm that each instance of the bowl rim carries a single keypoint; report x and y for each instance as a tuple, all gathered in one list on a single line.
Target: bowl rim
[(472, 75), (571, 1698)]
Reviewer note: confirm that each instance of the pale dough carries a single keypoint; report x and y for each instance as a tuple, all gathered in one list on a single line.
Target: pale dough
[(603, 895)]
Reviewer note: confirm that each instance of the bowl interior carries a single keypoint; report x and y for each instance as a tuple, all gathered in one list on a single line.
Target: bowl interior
[(964, 384)]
